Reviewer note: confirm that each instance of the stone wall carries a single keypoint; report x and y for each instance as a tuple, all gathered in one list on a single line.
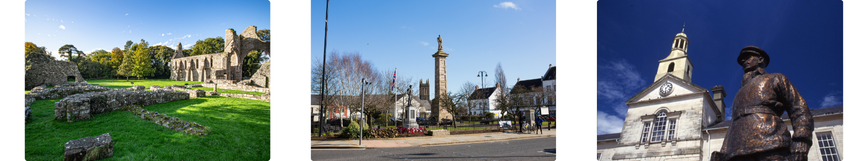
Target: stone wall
[(264, 97), (239, 87), (224, 65), (261, 77), (82, 106), (60, 91), (170, 122), (89, 148), (45, 71)]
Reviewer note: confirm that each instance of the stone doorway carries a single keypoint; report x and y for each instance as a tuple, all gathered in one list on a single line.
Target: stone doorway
[(70, 78)]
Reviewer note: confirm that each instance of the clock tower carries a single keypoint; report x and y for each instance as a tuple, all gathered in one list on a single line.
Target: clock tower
[(677, 62), (663, 121)]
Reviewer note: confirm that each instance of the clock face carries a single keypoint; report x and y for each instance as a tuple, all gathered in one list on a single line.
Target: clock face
[(666, 89)]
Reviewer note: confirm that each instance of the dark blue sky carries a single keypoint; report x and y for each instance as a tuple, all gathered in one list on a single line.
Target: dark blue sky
[(804, 40)]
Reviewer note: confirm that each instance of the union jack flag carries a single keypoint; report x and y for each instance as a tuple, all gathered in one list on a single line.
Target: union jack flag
[(394, 76)]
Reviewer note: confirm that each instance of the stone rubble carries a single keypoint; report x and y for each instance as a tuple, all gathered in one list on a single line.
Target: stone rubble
[(89, 148), (82, 106), (170, 122), (60, 91)]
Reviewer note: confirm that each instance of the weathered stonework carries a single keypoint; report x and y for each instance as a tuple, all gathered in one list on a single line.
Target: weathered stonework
[(89, 148), (63, 90), (45, 71), (238, 87), (437, 110), (225, 65), (170, 122), (82, 106), (261, 77), (263, 97)]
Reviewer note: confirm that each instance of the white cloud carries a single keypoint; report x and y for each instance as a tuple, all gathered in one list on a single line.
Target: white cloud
[(49, 35), (832, 99), (127, 14), (507, 5), (74, 22), (165, 35), (169, 33), (617, 82), (61, 21), (424, 43), (131, 31), (188, 45), (26, 14), (607, 124), (92, 50), (186, 36)]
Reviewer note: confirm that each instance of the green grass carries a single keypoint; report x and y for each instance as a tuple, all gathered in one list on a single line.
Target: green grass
[(221, 90), (240, 130), (122, 83)]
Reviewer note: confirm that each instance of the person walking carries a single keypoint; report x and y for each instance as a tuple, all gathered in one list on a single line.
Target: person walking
[(538, 122)]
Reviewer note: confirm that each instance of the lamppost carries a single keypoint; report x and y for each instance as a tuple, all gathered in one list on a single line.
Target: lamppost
[(323, 86), (482, 75), (362, 113)]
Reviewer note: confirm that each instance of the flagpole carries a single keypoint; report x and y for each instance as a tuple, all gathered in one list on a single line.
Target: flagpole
[(394, 80)]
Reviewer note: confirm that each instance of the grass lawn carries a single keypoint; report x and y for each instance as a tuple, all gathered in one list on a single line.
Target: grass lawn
[(123, 83), (221, 90), (240, 129)]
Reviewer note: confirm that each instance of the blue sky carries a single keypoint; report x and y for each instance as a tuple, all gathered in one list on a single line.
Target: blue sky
[(476, 34), (93, 25), (803, 39)]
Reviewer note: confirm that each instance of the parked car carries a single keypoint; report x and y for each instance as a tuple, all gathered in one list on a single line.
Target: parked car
[(421, 121)]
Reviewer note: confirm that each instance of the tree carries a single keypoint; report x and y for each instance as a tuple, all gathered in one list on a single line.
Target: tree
[(126, 68), (69, 50), (466, 90), (30, 47), (141, 60), (251, 63), (451, 103), (162, 56), (264, 34), (117, 57), (207, 46)]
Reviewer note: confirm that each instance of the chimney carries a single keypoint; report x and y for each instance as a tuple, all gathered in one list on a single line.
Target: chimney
[(518, 80), (550, 65), (477, 86), (719, 94), (496, 85)]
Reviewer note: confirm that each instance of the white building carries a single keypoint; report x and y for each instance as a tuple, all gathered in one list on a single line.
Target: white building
[(484, 100), (417, 107), (550, 84), (674, 119)]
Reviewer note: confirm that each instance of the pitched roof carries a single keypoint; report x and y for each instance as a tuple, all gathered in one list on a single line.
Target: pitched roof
[(528, 84), (550, 74), (814, 113), (611, 136), (661, 80), (482, 93)]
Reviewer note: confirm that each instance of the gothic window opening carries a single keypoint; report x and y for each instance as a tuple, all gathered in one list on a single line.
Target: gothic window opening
[(827, 147), (671, 67)]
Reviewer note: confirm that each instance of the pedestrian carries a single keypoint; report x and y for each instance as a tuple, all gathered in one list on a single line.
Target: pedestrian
[(539, 121)]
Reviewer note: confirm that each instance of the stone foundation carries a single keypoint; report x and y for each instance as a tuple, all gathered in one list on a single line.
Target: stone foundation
[(63, 90), (89, 148), (264, 97), (173, 123), (82, 106), (238, 87), (439, 132)]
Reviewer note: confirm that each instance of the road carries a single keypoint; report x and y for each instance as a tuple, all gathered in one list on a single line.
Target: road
[(528, 149)]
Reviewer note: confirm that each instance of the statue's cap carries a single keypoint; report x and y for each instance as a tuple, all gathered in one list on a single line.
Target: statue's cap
[(753, 50)]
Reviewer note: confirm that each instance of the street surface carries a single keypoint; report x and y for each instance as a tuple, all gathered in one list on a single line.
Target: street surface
[(528, 149)]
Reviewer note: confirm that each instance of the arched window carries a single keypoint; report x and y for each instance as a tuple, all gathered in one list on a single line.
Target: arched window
[(659, 128), (671, 67)]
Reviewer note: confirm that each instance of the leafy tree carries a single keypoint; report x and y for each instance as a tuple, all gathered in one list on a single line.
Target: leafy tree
[(141, 60), (264, 34), (117, 57), (251, 63), (30, 47), (126, 68), (69, 50), (207, 46), (162, 55)]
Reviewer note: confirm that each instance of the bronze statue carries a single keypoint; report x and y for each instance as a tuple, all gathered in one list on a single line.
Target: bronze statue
[(439, 43), (757, 131)]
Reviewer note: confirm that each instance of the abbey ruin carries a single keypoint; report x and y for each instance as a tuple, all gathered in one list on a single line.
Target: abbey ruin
[(222, 67)]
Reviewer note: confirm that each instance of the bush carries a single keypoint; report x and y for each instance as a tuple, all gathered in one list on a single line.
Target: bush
[(474, 117), (351, 131), (381, 133), (489, 115), (382, 119), (465, 117)]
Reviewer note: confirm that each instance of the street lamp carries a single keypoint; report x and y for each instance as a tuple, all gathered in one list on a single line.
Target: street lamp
[(362, 113), (480, 75)]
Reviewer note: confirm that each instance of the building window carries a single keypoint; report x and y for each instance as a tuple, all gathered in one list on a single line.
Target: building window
[(671, 67), (659, 129), (645, 131), (672, 129), (827, 147)]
